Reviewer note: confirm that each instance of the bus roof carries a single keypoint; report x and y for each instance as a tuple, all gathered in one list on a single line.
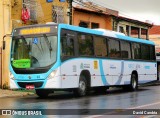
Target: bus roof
[(108, 33), (101, 32)]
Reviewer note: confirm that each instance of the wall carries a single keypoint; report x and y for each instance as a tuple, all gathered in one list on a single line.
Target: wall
[(1, 22), (130, 24), (104, 21), (5, 28), (156, 39), (41, 10)]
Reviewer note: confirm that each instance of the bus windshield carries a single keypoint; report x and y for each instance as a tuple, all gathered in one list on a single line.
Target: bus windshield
[(33, 52)]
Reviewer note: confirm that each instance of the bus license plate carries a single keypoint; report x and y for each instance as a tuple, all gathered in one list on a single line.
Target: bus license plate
[(30, 87)]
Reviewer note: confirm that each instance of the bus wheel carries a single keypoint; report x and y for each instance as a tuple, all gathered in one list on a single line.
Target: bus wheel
[(82, 89), (134, 82), (43, 93)]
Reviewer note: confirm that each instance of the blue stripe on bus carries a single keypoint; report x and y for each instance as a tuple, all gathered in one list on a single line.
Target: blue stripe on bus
[(134, 39), (121, 74), (102, 73)]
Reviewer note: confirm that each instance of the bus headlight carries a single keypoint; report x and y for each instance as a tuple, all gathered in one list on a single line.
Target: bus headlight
[(53, 73), (11, 76)]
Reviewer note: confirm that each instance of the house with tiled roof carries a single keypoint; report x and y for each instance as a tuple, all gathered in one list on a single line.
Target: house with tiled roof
[(92, 16), (154, 35), (132, 27)]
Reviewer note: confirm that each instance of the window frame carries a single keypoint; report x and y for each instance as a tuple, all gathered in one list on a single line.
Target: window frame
[(114, 39), (107, 38), (130, 49), (91, 35), (106, 44)]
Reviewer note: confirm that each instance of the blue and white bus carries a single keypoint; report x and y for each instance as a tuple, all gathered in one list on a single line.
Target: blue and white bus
[(64, 57)]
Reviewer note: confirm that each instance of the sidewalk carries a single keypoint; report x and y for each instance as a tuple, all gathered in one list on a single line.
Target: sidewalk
[(14, 93)]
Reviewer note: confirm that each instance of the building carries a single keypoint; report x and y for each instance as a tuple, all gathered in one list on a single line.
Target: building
[(92, 16), (131, 27), (5, 28), (91, 19), (40, 12), (154, 35)]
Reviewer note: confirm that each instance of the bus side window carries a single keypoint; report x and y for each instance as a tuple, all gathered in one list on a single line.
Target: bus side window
[(85, 45), (114, 48), (100, 46), (125, 49), (136, 51), (67, 44)]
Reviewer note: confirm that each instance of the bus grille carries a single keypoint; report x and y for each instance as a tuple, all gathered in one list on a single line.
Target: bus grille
[(36, 84)]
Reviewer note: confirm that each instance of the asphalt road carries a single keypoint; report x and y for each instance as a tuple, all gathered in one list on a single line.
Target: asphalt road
[(114, 102)]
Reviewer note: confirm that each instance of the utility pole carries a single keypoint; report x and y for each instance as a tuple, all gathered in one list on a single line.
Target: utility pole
[(70, 11)]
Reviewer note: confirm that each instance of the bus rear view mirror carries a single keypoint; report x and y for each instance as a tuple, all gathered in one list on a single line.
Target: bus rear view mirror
[(4, 42), (4, 45)]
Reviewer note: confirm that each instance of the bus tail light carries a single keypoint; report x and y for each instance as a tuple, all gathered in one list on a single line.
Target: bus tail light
[(53, 73)]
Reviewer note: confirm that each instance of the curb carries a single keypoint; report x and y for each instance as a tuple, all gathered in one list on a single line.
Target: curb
[(9, 96), (153, 83), (9, 93)]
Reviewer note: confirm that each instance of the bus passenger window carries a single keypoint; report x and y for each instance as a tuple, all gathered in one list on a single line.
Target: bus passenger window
[(114, 48), (125, 50), (136, 51), (85, 45), (100, 46), (146, 52), (67, 44)]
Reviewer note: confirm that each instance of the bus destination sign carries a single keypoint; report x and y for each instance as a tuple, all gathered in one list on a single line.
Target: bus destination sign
[(37, 30)]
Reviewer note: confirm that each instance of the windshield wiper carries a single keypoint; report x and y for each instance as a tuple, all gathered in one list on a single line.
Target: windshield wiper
[(48, 43)]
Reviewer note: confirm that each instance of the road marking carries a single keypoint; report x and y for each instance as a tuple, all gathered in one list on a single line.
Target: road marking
[(150, 116), (141, 106), (146, 105)]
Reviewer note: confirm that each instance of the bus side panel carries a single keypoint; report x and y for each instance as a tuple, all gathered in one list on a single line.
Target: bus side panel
[(150, 72), (112, 68), (70, 74), (54, 82), (129, 67), (146, 71), (71, 70), (13, 84), (101, 71), (105, 72)]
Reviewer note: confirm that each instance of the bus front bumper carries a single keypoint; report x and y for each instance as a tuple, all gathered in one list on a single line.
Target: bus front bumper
[(46, 84)]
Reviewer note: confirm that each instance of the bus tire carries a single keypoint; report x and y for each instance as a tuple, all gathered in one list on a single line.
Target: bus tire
[(134, 82), (43, 93), (82, 87)]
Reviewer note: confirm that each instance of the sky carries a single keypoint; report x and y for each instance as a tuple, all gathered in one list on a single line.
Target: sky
[(136, 9)]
